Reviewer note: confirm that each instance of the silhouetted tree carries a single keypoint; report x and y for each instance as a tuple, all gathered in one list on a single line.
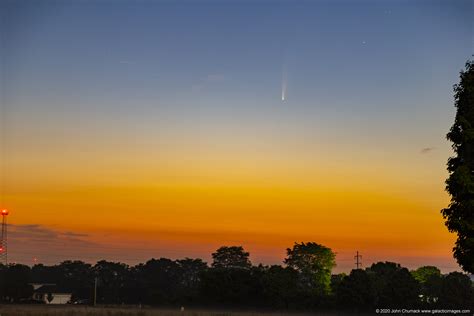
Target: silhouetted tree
[(430, 280), (356, 291), (135, 287), (17, 281), (46, 274), (232, 286), (393, 285), (3, 280), (191, 271), (112, 278), (280, 286), (77, 277), (423, 274), (457, 292), (336, 280), (314, 263), (159, 280), (231, 257), (460, 184)]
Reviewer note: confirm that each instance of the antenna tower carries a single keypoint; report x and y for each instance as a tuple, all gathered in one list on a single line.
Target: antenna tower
[(3, 239)]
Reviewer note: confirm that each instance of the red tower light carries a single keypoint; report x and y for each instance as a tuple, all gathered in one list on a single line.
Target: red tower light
[(4, 212)]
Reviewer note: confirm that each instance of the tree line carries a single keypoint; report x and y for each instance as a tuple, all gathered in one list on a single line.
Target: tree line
[(304, 282)]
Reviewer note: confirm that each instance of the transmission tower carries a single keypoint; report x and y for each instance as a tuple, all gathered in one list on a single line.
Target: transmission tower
[(358, 263), (3, 239)]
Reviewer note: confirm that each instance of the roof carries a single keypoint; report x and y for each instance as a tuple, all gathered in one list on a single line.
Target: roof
[(51, 288)]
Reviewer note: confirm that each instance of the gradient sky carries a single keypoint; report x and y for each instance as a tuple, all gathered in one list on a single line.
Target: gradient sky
[(139, 129)]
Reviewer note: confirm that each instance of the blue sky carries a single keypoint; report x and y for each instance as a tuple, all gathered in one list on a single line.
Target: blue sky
[(365, 65), (362, 60)]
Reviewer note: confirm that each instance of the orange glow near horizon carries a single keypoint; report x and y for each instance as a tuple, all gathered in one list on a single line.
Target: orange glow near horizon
[(264, 205)]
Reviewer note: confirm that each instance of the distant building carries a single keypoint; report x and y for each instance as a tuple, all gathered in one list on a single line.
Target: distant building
[(50, 294)]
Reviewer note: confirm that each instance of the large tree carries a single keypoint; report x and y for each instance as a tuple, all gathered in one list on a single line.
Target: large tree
[(457, 292), (159, 281), (356, 290), (314, 262), (17, 281), (430, 280), (280, 285), (393, 285), (191, 271), (231, 257), (459, 215), (112, 278), (76, 276), (423, 274)]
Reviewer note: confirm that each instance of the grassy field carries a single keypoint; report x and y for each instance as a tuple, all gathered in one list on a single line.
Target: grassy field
[(68, 310), (42, 310)]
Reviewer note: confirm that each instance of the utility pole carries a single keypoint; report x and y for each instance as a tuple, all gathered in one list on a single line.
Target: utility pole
[(95, 291), (358, 263)]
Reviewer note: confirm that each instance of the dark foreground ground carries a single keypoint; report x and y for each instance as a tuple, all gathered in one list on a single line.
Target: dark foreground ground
[(68, 310)]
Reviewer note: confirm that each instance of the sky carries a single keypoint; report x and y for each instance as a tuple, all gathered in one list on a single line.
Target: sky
[(140, 129)]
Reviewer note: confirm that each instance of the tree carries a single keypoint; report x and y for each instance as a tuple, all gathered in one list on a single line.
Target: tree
[(112, 277), (459, 215), (356, 290), (457, 292), (17, 281), (314, 263), (191, 271), (76, 276), (393, 285), (232, 286), (280, 286), (159, 280), (231, 257), (336, 280), (430, 280), (45, 274), (3, 279), (423, 274)]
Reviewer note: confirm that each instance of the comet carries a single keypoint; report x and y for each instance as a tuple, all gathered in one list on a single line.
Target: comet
[(283, 85)]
